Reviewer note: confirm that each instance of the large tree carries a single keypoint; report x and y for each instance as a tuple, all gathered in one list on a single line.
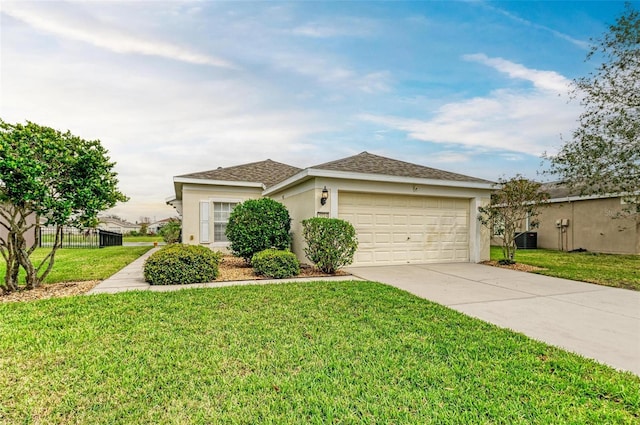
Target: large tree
[(603, 156), (514, 202), (47, 178)]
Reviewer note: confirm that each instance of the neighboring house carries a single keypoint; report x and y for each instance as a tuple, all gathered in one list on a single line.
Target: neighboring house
[(116, 225), (572, 222), (157, 225), (402, 212)]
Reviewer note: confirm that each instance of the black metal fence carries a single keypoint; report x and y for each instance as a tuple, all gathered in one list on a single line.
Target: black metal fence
[(72, 237)]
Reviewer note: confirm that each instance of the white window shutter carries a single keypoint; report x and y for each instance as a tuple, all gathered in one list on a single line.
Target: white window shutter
[(204, 221)]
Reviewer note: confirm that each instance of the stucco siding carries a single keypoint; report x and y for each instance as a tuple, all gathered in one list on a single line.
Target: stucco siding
[(592, 226), (192, 195), (301, 203), (302, 200)]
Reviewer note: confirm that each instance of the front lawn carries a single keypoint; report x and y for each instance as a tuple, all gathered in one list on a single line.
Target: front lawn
[(79, 264), (295, 353), (146, 238), (620, 271)]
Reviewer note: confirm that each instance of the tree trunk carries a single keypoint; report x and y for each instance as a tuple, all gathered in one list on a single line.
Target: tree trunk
[(12, 264), (11, 277)]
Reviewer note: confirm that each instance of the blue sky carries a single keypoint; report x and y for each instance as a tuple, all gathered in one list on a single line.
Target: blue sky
[(172, 87)]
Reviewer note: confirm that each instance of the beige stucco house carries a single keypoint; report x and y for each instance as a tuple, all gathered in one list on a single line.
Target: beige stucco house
[(571, 221), (402, 212), (113, 224)]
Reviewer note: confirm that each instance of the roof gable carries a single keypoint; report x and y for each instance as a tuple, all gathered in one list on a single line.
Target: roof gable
[(368, 163), (266, 172)]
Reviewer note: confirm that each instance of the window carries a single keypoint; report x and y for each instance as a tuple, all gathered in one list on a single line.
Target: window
[(221, 213)]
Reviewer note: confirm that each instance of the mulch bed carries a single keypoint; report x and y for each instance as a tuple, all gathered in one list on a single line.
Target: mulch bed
[(50, 290), (517, 266), (234, 268), (231, 269)]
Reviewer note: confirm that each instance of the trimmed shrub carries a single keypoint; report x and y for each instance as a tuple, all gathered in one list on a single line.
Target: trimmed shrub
[(274, 263), (331, 242), (181, 264), (256, 225)]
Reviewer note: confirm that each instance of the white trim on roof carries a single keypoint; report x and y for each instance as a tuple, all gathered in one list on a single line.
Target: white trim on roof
[(349, 175), (188, 180), (583, 198)]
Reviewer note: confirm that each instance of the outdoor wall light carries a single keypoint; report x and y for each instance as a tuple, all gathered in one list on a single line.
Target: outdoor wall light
[(324, 196)]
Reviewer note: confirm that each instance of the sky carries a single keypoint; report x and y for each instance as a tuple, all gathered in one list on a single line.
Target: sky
[(173, 87)]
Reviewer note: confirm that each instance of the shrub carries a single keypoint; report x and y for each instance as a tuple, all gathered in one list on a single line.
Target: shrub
[(274, 263), (331, 242), (170, 232), (181, 264), (256, 225)]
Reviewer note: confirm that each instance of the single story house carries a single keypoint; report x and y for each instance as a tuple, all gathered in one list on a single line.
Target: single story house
[(571, 221), (157, 225), (402, 212), (117, 225)]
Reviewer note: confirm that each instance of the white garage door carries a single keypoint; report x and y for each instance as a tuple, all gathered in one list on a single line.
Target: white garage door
[(400, 229)]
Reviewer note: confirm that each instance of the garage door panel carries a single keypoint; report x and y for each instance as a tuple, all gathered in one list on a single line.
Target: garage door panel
[(400, 220), (399, 229), (383, 238), (415, 219), (383, 219), (364, 257), (366, 238)]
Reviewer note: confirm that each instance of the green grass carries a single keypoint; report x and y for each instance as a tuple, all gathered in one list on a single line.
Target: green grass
[(155, 238), (82, 264), (294, 353), (620, 271)]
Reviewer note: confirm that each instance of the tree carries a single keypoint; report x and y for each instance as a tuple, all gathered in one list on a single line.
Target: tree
[(512, 203), (47, 178), (256, 225), (603, 156), (170, 231)]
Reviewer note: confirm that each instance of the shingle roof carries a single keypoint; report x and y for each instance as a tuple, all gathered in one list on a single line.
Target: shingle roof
[(556, 190), (266, 172), (368, 163), (559, 190)]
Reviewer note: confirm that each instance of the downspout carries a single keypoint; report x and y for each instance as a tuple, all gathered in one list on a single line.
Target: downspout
[(572, 225)]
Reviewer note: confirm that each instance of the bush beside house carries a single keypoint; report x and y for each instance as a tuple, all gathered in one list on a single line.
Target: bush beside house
[(182, 264), (331, 242), (274, 263), (256, 225)]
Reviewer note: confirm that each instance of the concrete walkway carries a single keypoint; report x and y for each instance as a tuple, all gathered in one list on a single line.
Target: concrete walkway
[(595, 321), (131, 278)]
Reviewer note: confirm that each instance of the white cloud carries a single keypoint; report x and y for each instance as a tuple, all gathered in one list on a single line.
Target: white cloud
[(56, 19), (337, 27), (527, 121), (451, 157), (337, 77), (544, 80)]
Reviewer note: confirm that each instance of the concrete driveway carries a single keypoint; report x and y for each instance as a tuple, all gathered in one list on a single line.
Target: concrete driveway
[(595, 321)]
